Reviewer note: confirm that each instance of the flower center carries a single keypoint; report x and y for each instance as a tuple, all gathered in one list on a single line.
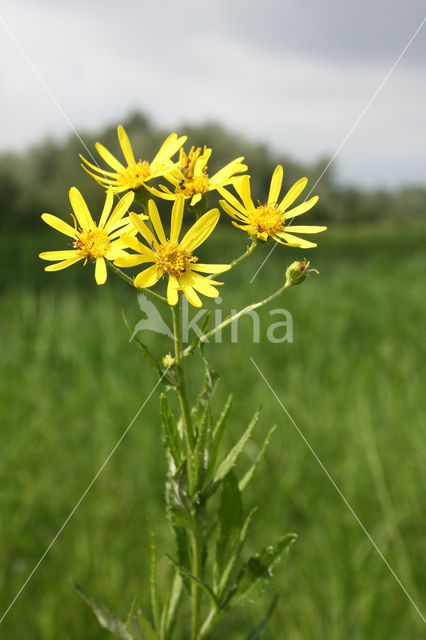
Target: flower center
[(172, 260), (265, 221), (134, 175), (191, 185), (93, 244)]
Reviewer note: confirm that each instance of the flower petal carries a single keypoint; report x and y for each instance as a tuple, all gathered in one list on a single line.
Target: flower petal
[(144, 230), (242, 187), (276, 183), (148, 277), (130, 260), (204, 286), (200, 230), (81, 210), (58, 255), (59, 224), (137, 246), (295, 241), (176, 221), (210, 268), (125, 145), (100, 271), (302, 208), (107, 208), (172, 291), (293, 193), (109, 158), (156, 221), (120, 209), (305, 229), (63, 265)]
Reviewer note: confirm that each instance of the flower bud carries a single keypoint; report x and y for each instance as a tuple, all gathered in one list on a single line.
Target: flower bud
[(167, 360), (297, 272)]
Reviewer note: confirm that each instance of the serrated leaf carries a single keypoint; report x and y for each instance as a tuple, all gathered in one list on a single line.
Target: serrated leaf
[(171, 435), (248, 476), (257, 632), (106, 619), (230, 521), (201, 456), (203, 585), (227, 572), (138, 625), (257, 572), (227, 464)]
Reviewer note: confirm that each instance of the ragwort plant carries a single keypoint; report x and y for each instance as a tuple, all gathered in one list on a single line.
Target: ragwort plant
[(210, 573)]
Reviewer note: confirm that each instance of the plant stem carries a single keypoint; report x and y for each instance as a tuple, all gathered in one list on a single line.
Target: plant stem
[(237, 315), (247, 253), (130, 281), (189, 445)]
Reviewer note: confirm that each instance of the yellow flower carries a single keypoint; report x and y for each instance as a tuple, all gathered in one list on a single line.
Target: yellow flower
[(270, 220), (173, 258), (190, 177), (134, 174), (91, 241)]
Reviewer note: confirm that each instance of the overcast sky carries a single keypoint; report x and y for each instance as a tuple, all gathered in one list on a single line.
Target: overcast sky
[(294, 73)]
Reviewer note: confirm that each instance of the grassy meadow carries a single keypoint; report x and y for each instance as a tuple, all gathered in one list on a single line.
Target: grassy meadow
[(353, 380)]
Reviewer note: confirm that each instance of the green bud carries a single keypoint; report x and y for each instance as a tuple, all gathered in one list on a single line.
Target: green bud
[(297, 272)]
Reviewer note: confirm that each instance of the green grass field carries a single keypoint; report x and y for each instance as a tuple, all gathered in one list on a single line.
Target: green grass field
[(353, 380)]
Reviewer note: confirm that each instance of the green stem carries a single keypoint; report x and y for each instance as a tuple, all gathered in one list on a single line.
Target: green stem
[(131, 282), (247, 253), (237, 315), (189, 445)]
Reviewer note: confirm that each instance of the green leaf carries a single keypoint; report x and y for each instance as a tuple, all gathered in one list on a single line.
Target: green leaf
[(106, 619), (257, 632), (248, 476), (232, 456), (138, 625), (171, 435), (257, 572), (168, 614), (203, 585), (198, 338), (230, 519), (226, 575), (155, 603), (201, 456)]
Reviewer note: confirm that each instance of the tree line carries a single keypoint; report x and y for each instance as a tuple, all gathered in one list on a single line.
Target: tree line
[(37, 180)]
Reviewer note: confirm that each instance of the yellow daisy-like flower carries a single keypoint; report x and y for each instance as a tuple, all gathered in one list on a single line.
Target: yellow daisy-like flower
[(132, 175), (270, 220), (190, 177), (91, 240), (173, 258)]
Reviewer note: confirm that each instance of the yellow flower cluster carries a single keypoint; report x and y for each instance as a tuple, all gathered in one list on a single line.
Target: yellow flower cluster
[(107, 242)]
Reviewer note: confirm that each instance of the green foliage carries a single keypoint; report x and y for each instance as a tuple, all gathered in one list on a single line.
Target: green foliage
[(38, 180), (357, 334)]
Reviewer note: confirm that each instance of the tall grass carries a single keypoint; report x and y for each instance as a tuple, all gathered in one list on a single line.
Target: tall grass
[(353, 380)]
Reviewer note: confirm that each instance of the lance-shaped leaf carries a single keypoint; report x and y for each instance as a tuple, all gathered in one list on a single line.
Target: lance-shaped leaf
[(227, 572), (230, 522), (172, 439), (155, 603), (201, 455), (257, 632), (248, 476), (230, 460), (203, 585), (256, 573), (106, 619), (138, 625), (168, 614), (146, 353)]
